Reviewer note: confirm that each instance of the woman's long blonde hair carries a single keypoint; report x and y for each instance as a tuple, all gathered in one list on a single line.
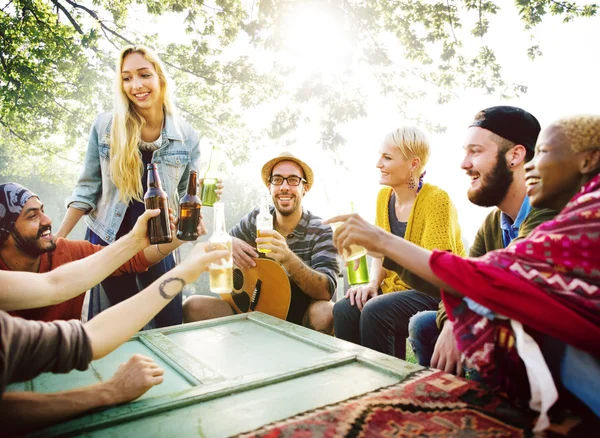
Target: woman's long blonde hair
[(126, 167), (412, 142)]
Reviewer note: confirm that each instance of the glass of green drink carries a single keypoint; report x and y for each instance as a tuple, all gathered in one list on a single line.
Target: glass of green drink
[(353, 251), (361, 275), (209, 192)]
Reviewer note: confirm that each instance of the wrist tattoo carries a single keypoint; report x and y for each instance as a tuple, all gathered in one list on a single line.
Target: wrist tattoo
[(174, 288)]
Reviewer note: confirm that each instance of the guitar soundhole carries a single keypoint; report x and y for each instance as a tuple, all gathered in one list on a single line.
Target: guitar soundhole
[(238, 279)]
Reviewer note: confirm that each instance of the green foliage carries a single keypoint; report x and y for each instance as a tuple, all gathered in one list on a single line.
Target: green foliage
[(44, 70), (532, 12), (57, 60), (428, 55)]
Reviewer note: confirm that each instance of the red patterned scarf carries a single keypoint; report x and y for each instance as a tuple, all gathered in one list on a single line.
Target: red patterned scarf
[(549, 282)]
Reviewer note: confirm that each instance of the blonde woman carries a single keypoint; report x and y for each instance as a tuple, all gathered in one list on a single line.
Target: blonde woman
[(142, 128), (376, 315)]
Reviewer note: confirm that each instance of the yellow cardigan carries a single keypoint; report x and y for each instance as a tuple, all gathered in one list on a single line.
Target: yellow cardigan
[(432, 224)]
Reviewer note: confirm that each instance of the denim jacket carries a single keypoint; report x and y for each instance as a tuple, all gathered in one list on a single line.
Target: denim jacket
[(96, 193)]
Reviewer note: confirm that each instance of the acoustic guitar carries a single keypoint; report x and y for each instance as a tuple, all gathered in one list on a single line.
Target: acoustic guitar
[(264, 288)]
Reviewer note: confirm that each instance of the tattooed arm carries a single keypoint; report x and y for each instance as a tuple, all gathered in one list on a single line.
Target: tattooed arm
[(315, 284), (117, 324), (22, 411)]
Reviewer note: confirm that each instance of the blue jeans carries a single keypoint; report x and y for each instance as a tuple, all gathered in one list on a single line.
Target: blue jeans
[(383, 323), (580, 374), (422, 335)]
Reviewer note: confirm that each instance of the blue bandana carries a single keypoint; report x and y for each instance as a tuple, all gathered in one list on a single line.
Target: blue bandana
[(12, 199)]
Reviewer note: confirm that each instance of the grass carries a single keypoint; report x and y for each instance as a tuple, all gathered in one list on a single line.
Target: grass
[(410, 355)]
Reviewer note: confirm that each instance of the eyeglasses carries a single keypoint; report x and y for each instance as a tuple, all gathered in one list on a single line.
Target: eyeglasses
[(292, 180)]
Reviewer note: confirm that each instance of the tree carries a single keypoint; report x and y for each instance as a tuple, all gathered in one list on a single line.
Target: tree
[(56, 61), (56, 68), (410, 47)]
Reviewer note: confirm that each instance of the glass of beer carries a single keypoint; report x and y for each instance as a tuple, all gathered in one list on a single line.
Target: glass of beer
[(221, 272), (354, 251)]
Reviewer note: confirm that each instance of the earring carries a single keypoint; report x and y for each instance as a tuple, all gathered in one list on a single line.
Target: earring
[(512, 164), (411, 182)]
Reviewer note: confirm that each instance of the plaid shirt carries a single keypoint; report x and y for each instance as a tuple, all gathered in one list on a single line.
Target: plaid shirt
[(311, 241)]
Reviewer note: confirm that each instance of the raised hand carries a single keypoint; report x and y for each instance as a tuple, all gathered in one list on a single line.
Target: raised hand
[(354, 230), (201, 228), (243, 254), (202, 256), (219, 187), (140, 230), (276, 243)]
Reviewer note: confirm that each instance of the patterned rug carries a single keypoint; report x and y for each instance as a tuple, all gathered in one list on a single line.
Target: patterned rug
[(430, 403)]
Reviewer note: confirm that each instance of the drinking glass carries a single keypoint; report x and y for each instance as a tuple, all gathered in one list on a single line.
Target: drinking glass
[(354, 251)]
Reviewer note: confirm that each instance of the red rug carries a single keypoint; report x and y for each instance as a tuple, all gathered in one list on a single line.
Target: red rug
[(430, 403)]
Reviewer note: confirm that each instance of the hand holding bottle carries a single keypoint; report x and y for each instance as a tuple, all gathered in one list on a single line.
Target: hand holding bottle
[(221, 272), (201, 256), (212, 190), (139, 232), (212, 184), (274, 246), (159, 229), (201, 229), (243, 254), (264, 222)]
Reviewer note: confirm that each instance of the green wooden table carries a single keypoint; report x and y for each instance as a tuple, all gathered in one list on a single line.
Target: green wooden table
[(226, 376)]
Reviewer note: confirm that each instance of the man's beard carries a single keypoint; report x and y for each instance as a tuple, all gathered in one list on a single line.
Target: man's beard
[(31, 246), (289, 210), (494, 186)]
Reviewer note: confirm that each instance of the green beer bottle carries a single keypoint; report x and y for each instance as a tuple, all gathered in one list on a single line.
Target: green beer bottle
[(361, 275), (209, 185)]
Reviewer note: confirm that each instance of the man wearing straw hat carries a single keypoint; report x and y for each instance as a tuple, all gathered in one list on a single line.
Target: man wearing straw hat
[(299, 242)]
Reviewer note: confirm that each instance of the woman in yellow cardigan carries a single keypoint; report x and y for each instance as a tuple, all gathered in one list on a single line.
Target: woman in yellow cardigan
[(376, 315)]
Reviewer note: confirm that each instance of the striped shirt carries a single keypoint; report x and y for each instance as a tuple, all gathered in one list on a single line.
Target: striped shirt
[(311, 241)]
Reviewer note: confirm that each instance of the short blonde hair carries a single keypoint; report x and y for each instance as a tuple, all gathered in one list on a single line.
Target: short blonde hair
[(582, 131), (412, 142)]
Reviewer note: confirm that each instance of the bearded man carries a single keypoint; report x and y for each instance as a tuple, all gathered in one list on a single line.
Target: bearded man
[(299, 242), (500, 142)]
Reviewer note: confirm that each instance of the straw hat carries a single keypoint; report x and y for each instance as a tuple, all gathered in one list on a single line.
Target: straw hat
[(286, 156)]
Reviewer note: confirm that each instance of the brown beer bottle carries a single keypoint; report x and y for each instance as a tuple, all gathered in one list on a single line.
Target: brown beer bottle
[(159, 227), (189, 211)]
